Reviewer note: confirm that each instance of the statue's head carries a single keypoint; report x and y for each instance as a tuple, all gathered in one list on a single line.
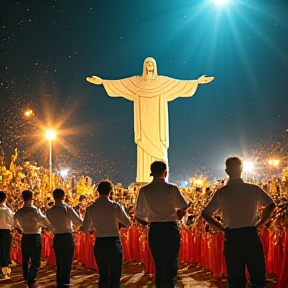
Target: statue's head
[(149, 69)]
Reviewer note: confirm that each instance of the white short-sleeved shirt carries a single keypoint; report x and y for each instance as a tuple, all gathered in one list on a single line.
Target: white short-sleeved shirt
[(6, 217), (30, 220), (61, 217), (239, 203), (105, 215), (158, 202)]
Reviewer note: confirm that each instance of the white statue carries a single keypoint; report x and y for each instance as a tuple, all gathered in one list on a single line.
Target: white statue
[(150, 94)]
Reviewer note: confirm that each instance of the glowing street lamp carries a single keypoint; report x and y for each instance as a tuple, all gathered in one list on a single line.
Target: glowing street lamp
[(64, 173), (50, 135), (273, 162), (28, 113)]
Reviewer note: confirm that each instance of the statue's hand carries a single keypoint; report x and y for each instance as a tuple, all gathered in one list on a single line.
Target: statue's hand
[(204, 80), (95, 80)]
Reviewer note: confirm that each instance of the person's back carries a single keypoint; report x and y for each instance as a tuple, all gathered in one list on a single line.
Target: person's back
[(161, 199), (61, 217), (161, 204), (105, 216), (29, 220), (6, 223), (239, 202)]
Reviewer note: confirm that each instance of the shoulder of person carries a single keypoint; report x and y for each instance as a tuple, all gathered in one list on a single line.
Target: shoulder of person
[(115, 204), (33, 207), (91, 206), (5, 208), (173, 186), (68, 207), (253, 186), (146, 186), (223, 188)]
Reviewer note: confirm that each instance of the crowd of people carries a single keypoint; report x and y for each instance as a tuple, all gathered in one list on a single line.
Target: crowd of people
[(28, 184)]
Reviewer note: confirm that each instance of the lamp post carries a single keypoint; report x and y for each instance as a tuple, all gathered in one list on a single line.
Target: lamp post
[(50, 135)]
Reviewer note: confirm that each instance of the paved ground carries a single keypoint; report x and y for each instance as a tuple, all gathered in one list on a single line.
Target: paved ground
[(190, 276)]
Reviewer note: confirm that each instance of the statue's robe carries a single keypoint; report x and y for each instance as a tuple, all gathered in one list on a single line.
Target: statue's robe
[(151, 125)]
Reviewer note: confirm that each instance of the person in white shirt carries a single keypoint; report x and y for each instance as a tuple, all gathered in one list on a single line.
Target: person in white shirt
[(61, 217), (239, 203), (105, 216), (6, 223), (161, 205), (30, 221)]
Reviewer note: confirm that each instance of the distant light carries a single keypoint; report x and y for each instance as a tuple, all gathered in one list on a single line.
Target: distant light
[(28, 113), (220, 2), (273, 162), (50, 134), (248, 167), (199, 182), (64, 173)]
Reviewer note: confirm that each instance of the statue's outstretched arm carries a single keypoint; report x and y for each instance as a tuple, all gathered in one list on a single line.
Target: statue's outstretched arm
[(95, 80), (204, 80)]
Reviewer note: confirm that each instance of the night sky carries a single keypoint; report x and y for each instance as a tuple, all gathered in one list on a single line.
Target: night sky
[(48, 48)]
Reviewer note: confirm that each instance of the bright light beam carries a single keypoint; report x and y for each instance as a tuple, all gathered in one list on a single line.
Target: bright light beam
[(64, 173), (50, 134), (220, 2)]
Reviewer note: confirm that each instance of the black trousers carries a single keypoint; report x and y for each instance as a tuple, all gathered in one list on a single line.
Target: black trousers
[(31, 249), (5, 247), (108, 254), (243, 247), (164, 243), (63, 245)]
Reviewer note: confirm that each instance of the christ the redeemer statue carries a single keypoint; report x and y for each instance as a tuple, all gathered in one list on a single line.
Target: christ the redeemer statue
[(150, 94)]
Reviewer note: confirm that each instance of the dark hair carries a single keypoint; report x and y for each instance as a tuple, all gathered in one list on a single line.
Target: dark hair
[(3, 196), (232, 161), (58, 193), (27, 195), (82, 197), (157, 168), (104, 187)]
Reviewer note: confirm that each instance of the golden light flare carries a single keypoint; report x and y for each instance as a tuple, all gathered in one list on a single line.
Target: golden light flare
[(273, 162), (50, 119), (28, 113), (50, 134)]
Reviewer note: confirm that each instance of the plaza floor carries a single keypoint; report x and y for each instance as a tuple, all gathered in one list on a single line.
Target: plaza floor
[(189, 276)]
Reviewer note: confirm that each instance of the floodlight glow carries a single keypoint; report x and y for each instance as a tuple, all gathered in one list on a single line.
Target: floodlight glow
[(28, 113), (199, 182), (50, 134), (64, 173), (248, 166), (273, 162)]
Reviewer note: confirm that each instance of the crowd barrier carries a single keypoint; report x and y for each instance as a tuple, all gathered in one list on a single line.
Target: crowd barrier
[(196, 247)]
